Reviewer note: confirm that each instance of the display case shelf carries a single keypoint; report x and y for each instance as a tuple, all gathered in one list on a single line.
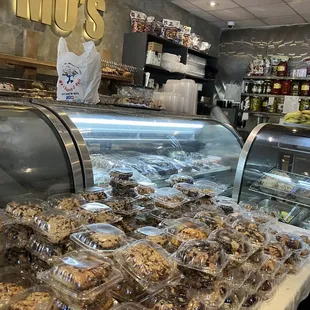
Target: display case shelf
[(276, 78)]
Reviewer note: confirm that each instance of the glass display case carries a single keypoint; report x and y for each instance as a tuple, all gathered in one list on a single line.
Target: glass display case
[(53, 147), (274, 172)]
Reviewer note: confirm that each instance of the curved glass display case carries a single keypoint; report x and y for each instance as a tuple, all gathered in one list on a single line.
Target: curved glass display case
[(274, 172), (50, 148)]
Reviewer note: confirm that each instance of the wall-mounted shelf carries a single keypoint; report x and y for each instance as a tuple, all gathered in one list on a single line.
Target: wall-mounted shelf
[(276, 78), (271, 95), (263, 114)]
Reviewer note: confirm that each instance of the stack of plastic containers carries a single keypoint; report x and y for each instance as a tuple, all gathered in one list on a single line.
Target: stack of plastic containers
[(196, 65)]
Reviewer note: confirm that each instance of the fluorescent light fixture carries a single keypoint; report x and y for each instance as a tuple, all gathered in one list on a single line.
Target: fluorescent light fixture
[(120, 122), (213, 3)]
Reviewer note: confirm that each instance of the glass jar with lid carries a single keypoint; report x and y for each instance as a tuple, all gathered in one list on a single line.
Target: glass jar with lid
[(267, 87), (295, 88), (304, 104), (255, 104)]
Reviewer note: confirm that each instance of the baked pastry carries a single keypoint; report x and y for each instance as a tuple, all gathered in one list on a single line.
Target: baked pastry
[(120, 204), (213, 220), (153, 234), (277, 250), (180, 178), (18, 257), (26, 212), (235, 274), (189, 190), (94, 194), (82, 277), (293, 263), (305, 239), (293, 242), (227, 207), (121, 174), (147, 262), (169, 198), (127, 290), (68, 204), (201, 255), (145, 190), (269, 267), (17, 235), (8, 290), (214, 295), (252, 230), (233, 301), (32, 301)]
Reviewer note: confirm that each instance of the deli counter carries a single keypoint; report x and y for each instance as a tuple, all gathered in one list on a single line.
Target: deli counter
[(273, 173), (49, 148)]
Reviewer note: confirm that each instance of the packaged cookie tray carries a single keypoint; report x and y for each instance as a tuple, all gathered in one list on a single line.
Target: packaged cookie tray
[(169, 198), (82, 277), (123, 206), (15, 235), (185, 229), (212, 219), (148, 263), (37, 297), (94, 212), (235, 300), (292, 241), (54, 225), (191, 191), (179, 178), (201, 255), (45, 251), (151, 233), (24, 209), (277, 251), (92, 194), (235, 274), (13, 281), (66, 201), (100, 238), (236, 245)]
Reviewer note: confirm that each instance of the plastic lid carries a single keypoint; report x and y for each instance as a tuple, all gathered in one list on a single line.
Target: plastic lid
[(209, 188), (235, 300), (169, 198), (254, 281), (292, 241), (277, 250), (93, 194), (150, 231), (235, 274), (236, 245), (82, 275), (123, 206), (66, 201), (213, 220), (202, 255), (147, 263), (180, 178), (189, 190)]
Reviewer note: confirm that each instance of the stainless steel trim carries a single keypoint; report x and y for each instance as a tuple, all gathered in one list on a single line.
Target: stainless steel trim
[(243, 159), (80, 143), (69, 146)]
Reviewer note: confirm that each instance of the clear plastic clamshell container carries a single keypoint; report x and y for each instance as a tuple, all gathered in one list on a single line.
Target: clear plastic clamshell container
[(294, 263), (66, 202), (24, 210), (5, 221), (235, 300), (270, 267), (268, 288), (186, 229), (262, 218), (15, 235), (169, 198), (256, 260), (179, 178), (55, 225), (93, 194), (161, 215), (236, 245), (236, 274), (202, 255), (212, 219), (148, 263), (254, 281), (95, 212), (124, 206), (256, 233), (228, 207), (129, 306), (277, 250), (189, 190), (151, 233), (100, 238), (37, 298), (13, 281), (292, 241), (251, 302), (82, 278), (208, 188), (248, 206)]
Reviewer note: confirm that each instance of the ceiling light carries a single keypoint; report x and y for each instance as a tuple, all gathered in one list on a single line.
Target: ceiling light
[(213, 3)]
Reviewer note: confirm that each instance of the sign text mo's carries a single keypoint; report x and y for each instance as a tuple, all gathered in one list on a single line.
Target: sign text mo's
[(64, 14)]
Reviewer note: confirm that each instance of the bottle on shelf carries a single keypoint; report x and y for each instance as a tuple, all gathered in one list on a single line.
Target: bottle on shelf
[(286, 87), (282, 69), (305, 88), (295, 88), (276, 87)]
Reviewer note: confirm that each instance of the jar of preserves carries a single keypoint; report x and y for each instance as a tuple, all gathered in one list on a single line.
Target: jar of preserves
[(282, 69), (276, 87), (304, 88), (280, 104), (256, 104), (295, 88), (304, 104), (265, 105), (286, 87)]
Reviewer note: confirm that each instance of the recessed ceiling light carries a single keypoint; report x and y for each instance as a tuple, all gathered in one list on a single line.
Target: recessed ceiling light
[(213, 3)]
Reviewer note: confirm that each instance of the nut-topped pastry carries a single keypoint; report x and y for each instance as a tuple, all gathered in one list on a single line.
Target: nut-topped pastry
[(153, 234), (189, 190), (180, 178), (277, 250), (124, 174), (66, 202), (32, 301), (293, 242), (8, 290), (211, 219), (234, 300), (145, 189), (202, 255), (169, 198), (93, 194)]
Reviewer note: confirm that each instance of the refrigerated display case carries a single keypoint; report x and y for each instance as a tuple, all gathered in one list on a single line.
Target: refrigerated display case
[(273, 173), (52, 147)]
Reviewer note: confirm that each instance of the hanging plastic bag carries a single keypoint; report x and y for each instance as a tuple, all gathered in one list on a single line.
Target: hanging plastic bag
[(78, 76)]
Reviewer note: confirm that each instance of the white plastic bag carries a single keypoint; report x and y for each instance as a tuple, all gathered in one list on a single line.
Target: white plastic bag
[(78, 76)]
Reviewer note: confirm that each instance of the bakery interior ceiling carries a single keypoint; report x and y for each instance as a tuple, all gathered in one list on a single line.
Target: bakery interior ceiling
[(248, 13)]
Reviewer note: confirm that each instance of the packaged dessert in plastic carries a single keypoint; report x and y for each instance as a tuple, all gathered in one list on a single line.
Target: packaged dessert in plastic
[(127, 225), (236, 274), (202, 255), (179, 178), (251, 302), (228, 207), (236, 245), (148, 263), (153, 234), (294, 263), (292, 241), (256, 233), (169, 198), (123, 206), (253, 282), (5, 221), (256, 260), (82, 277), (164, 216), (66, 202), (281, 273), (95, 212), (145, 190), (189, 190), (262, 218), (24, 210), (235, 300), (186, 229), (15, 235), (129, 306), (93, 194), (37, 297), (13, 281), (37, 266), (213, 220), (208, 188), (270, 267), (55, 225), (248, 206), (277, 251), (100, 238), (17, 257), (268, 289), (214, 296), (238, 215)]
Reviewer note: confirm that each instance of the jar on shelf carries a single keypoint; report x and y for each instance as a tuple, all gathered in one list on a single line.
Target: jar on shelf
[(304, 104), (286, 87), (256, 104), (246, 87), (267, 87), (265, 105), (254, 88), (279, 104), (295, 88), (260, 87), (276, 87), (282, 69), (304, 88)]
